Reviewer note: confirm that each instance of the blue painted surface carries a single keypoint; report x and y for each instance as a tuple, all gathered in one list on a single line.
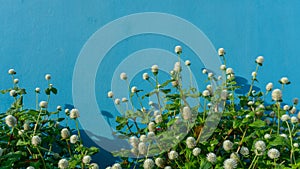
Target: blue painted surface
[(46, 37)]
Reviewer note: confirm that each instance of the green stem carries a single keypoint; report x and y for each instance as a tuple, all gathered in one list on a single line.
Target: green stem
[(41, 157), (278, 117), (37, 122), (78, 131), (291, 141), (252, 82), (254, 159)]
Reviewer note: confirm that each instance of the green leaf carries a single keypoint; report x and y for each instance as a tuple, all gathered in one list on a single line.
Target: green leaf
[(53, 90), (47, 91), (258, 124)]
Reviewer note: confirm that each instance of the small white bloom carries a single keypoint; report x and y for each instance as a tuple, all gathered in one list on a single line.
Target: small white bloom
[(230, 163), (254, 74), (267, 136), (277, 95), (177, 67), (67, 111), (151, 126), (250, 103), (43, 104), (16, 81), (134, 141), (47, 76), (11, 71), (142, 147), (143, 138), (190, 142), (223, 67), (174, 83), (168, 167), (244, 151), (227, 145), (206, 93), (134, 89), (158, 119), (294, 119), (94, 166), (285, 117), (204, 71), (30, 167), (145, 76), (110, 94), (10, 120), (260, 146), (86, 159), (65, 133), (210, 75), (196, 151), (74, 113), (211, 157), (229, 71), (36, 140), (234, 156), (58, 108), (247, 116), (224, 94), (273, 153), (186, 113), (123, 76), (151, 135), (73, 139), (221, 51), (284, 136), (230, 77), (148, 164), (293, 110), (295, 145), (116, 166), (178, 49), (124, 99), (260, 60), (272, 114), (154, 69), (286, 107), (21, 132), (269, 86), (117, 101), (13, 93), (63, 164), (187, 63), (172, 155), (159, 162), (26, 126), (284, 80), (37, 90), (219, 77)]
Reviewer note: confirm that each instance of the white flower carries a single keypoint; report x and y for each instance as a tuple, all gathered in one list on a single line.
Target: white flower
[(58, 108), (227, 145), (260, 146), (223, 67), (250, 103), (221, 51), (65, 133), (11, 71), (187, 62), (269, 86), (142, 147), (16, 81), (273, 153), (21, 132), (253, 74), (145, 76), (172, 155), (134, 89), (151, 134), (294, 119), (74, 113), (196, 151), (276, 95), (231, 77), (47, 76), (116, 166), (174, 83), (206, 93), (13, 93), (286, 107), (143, 138), (26, 126), (267, 136), (154, 69), (43, 104), (37, 90), (186, 113), (259, 60), (151, 126), (1, 151), (295, 145), (134, 141), (117, 101), (244, 151), (86, 159), (229, 71), (159, 162), (36, 140), (94, 166), (110, 94), (63, 164), (224, 94), (284, 136), (156, 112), (73, 139), (178, 49), (177, 67), (190, 142), (67, 111), (293, 110), (168, 167), (210, 75), (158, 119), (30, 167), (234, 156), (230, 163), (285, 117), (204, 71), (284, 80), (10, 120), (211, 157), (148, 164), (123, 76)]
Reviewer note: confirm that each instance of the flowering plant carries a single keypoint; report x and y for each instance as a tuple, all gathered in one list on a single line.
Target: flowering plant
[(34, 138), (224, 129)]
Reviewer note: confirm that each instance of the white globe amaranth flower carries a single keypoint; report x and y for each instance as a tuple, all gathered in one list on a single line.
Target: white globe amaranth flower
[(205, 93), (230, 163), (13, 93), (178, 49), (63, 164), (43, 104), (116, 166), (210, 75), (142, 147), (154, 69), (74, 113), (284, 80), (26, 126), (65, 133), (16, 81), (47, 76), (58, 108), (283, 135), (159, 162), (143, 138), (235, 156), (67, 111), (259, 60), (204, 71), (267, 136), (117, 101), (86, 159), (168, 167), (124, 99), (296, 145), (244, 151), (285, 117), (273, 153), (221, 51), (196, 151), (174, 83), (187, 63), (74, 138), (260, 146), (158, 119), (110, 94), (36, 140), (30, 167), (293, 110), (21, 132), (11, 71), (254, 74), (10, 120), (94, 166), (123, 76), (227, 145), (224, 95), (37, 90), (230, 77), (276, 95), (186, 113), (148, 164), (173, 155), (250, 103), (286, 107), (134, 141), (223, 67), (229, 71), (294, 120), (108, 167), (134, 89), (151, 126), (146, 76), (190, 142), (269, 86), (177, 67), (151, 135), (211, 157)]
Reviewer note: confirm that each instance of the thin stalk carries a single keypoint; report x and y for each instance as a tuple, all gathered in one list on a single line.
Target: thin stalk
[(278, 117), (41, 157), (291, 141), (37, 121)]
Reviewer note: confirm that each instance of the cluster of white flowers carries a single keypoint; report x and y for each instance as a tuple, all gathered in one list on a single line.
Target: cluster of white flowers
[(65, 133), (285, 117), (244, 151), (230, 163), (196, 151), (227, 145), (260, 147), (159, 162), (36, 140), (74, 113), (86, 159), (172, 155), (73, 139), (211, 157), (63, 164), (190, 142), (148, 164), (142, 147), (273, 153), (10, 120)]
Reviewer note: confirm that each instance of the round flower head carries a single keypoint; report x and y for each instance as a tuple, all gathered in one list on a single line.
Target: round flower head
[(159, 162), (227, 145), (168, 167), (65, 133), (273, 153), (134, 141), (254, 74), (134, 89), (259, 60), (267, 136), (36, 140), (177, 67), (117, 101), (110, 94), (11, 71), (151, 135), (116, 166), (229, 71), (187, 63), (221, 51), (13, 93), (47, 76), (123, 76), (30, 167), (269, 86), (230, 163), (74, 113), (158, 119), (293, 110), (196, 151), (286, 107), (283, 135), (145, 76), (86, 159), (151, 126), (231, 77), (204, 71), (190, 142), (10, 120), (142, 147), (26, 126), (73, 139), (154, 69), (210, 75), (178, 49), (63, 164), (260, 146), (58, 108), (284, 80), (21, 132), (285, 117), (206, 93), (148, 164), (124, 99), (244, 151), (37, 90), (186, 113), (223, 67), (172, 155), (276, 95), (296, 145), (94, 166), (234, 156), (43, 104), (143, 138), (294, 119), (211, 157), (16, 81)]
